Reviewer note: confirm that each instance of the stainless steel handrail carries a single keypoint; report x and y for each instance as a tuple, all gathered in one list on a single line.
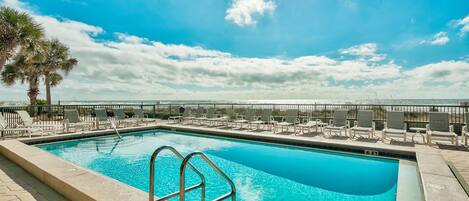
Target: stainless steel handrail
[(113, 125), (182, 177), (152, 176)]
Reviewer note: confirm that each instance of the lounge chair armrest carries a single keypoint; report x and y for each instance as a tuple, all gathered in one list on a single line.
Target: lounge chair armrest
[(464, 129), (66, 122)]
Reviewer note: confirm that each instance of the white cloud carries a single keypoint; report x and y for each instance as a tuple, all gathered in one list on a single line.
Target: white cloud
[(367, 51), (464, 23), (246, 12), (440, 38), (138, 68)]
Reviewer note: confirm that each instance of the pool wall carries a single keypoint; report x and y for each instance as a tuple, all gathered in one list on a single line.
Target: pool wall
[(77, 183), (72, 181)]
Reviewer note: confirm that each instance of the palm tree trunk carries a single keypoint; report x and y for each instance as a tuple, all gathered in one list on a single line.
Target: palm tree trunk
[(33, 91), (48, 95), (3, 60)]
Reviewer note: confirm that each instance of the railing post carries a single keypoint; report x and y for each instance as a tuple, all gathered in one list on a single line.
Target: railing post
[(170, 109)]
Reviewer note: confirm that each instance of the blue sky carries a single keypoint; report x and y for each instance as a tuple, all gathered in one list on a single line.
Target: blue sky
[(247, 49), (295, 28)]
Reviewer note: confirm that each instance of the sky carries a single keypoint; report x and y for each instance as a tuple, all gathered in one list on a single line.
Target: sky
[(257, 49)]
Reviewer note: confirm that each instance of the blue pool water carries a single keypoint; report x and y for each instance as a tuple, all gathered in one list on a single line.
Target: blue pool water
[(259, 171)]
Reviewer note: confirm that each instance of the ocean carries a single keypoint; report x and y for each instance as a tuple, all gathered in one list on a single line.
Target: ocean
[(283, 101)]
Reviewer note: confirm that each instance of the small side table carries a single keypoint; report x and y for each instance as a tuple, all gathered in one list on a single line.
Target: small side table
[(419, 131)]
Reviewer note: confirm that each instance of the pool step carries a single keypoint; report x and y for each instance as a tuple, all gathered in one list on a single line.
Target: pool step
[(182, 188)]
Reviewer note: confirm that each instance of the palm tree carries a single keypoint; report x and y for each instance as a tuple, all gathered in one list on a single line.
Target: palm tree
[(17, 30), (55, 58), (24, 68)]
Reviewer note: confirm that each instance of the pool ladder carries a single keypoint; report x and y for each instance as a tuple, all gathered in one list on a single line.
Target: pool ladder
[(182, 177)]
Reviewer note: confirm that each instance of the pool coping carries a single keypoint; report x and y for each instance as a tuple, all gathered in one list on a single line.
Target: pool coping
[(74, 182)]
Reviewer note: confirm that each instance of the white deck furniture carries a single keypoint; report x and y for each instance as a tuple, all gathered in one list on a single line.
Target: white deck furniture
[(101, 118), (141, 117), (439, 127), (465, 129), (122, 119), (72, 120), (266, 119), (290, 120), (5, 128), (364, 124), (248, 117), (309, 124), (395, 125), (338, 124), (28, 122)]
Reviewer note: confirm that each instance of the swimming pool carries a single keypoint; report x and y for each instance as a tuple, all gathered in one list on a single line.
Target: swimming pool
[(260, 171)]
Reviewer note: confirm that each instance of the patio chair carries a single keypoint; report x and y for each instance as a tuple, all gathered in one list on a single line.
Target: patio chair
[(28, 122), (266, 119), (338, 124), (439, 127), (364, 124), (121, 118), (102, 118), (230, 117), (395, 125), (177, 118), (5, 128), (187, 115), (309, 124), (212, 118), (465, 129), (140, 116), (291, 120), (248, 117), (200, 116), (72, 120)]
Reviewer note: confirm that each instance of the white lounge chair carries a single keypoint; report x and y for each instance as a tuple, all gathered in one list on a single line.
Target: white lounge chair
[(212, 119), (72, 120), (5, 128), (176, 118), (187, 116), (230, 117), (465, 129), (364, 124), (309, 124), (28, 122), (141, 117), (102, 118), (266, 119), (338, 124), (122, 119), (291, 120), (200, 116), (395, 125), (439, 127), (248, 117)]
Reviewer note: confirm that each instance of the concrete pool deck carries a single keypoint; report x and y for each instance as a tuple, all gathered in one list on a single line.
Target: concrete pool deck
[(438, 182)]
